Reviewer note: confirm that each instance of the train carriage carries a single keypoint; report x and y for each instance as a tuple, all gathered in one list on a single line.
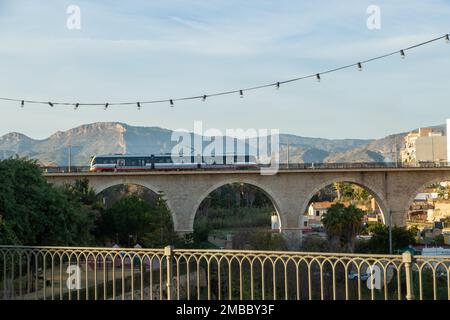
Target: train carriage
[(125, 162)]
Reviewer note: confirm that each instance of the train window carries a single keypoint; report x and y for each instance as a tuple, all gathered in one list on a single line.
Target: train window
[(165, 160)]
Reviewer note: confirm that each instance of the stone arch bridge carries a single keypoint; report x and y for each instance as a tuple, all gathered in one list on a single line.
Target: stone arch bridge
[(290, 190)]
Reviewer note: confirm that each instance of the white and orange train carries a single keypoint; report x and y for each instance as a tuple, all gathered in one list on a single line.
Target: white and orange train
[(125, 162)]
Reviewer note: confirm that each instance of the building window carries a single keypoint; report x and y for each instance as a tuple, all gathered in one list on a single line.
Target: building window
[(305, 223), (317, 213)]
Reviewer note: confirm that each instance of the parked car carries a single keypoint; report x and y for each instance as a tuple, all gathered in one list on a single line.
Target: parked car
[(354, 276), (441, 274)]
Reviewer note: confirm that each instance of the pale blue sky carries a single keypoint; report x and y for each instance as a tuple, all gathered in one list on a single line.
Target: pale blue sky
[(143, 50)]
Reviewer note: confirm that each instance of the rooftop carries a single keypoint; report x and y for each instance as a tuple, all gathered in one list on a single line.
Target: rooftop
[(322, 204)]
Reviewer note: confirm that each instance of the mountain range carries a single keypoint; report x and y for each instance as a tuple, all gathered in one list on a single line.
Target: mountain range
[(116, 137)]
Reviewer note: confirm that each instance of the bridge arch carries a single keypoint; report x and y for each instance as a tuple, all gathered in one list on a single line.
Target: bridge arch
[(418, 188), (142, 183), (373, 190), (262, 187)]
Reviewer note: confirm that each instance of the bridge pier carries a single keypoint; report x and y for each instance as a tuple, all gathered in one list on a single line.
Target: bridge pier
[(399, 218), (293, 238)]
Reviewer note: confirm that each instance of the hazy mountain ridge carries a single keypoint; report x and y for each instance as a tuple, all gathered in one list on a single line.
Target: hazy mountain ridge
[(116, 137)]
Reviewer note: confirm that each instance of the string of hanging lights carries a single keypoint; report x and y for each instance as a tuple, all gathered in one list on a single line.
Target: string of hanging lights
[(203, 97)]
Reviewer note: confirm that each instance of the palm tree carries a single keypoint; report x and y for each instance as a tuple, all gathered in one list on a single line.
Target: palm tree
[(352, 226), (332, 222), (342, 224), (337, 186)]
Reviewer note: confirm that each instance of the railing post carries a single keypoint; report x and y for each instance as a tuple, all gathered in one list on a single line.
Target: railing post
[(168, 252), (407, 258)]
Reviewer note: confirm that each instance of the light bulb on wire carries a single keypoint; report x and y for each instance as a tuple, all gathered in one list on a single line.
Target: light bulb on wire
[(359, 66)]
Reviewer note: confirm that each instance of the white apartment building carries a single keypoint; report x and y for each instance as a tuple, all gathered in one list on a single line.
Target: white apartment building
[(425, 145)]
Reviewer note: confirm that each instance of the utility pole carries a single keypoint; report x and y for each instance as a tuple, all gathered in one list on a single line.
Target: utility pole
[(396, 152), (432, 149), (288, 154), (390, 231), (69, 164)]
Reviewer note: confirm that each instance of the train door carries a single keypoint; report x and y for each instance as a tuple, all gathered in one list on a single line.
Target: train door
[(152, 161), (120, 162)]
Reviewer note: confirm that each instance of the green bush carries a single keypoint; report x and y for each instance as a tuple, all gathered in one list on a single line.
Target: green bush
[(259, 240), (401, 238), (314, 244)]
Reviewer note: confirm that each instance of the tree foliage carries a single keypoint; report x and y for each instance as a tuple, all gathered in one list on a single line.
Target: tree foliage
[(236, 195), (232, 207), (401, 238), (132, 220), (342, 224), (259, 240), (314, 244), (34, 212)]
